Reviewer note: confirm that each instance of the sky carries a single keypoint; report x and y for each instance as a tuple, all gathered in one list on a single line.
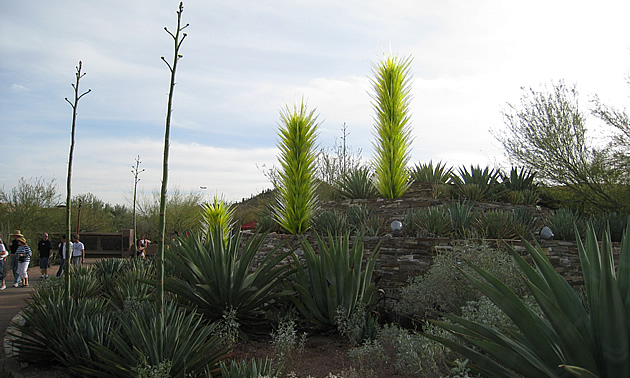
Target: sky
[(245, 61)]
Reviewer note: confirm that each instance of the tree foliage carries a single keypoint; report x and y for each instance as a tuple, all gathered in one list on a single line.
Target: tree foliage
[(547, 134)]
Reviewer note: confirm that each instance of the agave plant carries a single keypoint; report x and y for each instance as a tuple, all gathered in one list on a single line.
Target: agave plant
[(335, 277), (497, 224), (563, 223), (520, 180), (296, 199), (463, 215), (435, 221), (214, 277), (427, 173), (357, 183), (573, 338), (331, 221), (252, 368), (152, 337), (478, 184), (391, 97), (59, 328)]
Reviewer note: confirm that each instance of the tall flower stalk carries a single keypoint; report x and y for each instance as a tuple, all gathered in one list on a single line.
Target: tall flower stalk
[(178, 38), (74, 104), (296, 198), (391, 98)]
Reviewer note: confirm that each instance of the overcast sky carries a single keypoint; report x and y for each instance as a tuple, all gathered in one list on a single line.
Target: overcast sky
[(244, 61)]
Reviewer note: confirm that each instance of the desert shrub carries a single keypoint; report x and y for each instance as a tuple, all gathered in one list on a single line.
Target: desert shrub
[(563, 222), (443, 288), (287, 343), (359, 326), (368, 356)]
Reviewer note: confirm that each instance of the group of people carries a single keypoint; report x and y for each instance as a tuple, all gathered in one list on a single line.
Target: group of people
[(21, 255)]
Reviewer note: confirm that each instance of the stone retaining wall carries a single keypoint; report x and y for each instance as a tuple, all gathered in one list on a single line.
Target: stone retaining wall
[(402, 258)]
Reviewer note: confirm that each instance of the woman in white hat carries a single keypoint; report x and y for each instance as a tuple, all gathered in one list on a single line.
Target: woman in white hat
[(23, 254)]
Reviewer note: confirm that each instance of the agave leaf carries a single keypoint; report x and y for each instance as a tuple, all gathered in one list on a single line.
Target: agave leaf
[(535, 331), (579, 372)]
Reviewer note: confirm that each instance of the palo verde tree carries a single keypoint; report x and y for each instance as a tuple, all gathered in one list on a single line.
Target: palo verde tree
[(547, 134), (178, 38), (392, 87), (136, 171), (297, 184), (74, 104)]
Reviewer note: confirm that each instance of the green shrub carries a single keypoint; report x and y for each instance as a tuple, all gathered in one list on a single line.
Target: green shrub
[(572, 338), (287, 343), (336, 276), (444, 290), (358, 326)]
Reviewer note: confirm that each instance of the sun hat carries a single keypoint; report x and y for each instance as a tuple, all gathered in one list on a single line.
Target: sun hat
[(22, 239), (17, 233)]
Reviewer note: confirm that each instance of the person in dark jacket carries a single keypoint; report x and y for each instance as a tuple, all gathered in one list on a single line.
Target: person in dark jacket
[(44, 247)]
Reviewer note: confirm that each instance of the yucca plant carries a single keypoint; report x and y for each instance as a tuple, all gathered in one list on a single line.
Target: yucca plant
[(357, 183), (478, 184), (185, 343), (573, 338), (336, 276), (391, 97), (214, 277), (247, 369), (616, 221), (217, 214), (427, 173), (296, 199)]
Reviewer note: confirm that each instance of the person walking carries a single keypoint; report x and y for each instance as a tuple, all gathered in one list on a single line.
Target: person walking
[(78, 251), (44, 247), (23, 254), (3, 258), (62, 253), (14, 261)]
